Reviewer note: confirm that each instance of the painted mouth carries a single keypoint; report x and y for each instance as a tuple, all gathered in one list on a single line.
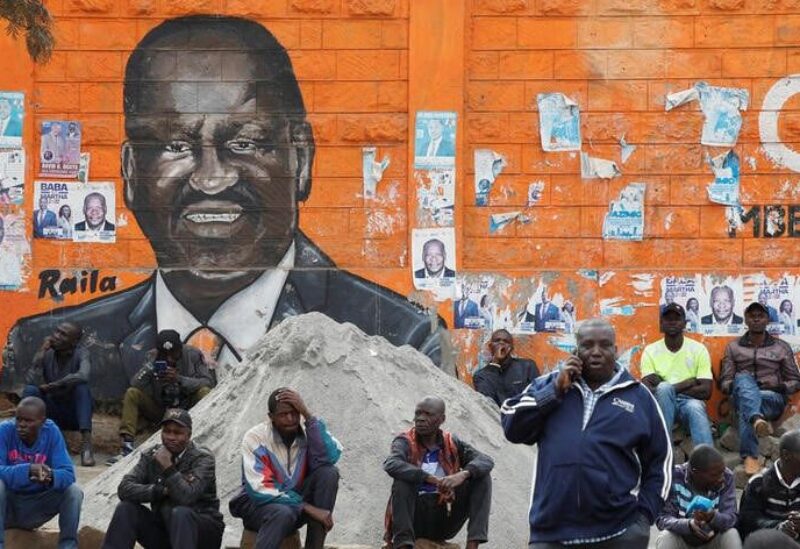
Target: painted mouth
[(226, 217)]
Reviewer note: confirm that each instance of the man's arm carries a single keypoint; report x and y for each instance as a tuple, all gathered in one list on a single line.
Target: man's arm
[(16, 476), (727, 370), (397, 465), (485, 382), (143, 379), (655, 457), (323, 448), (695, 388), (259, 479), (525, 416), (201, 374), (60, 462), (670, 520), (81, 376), (726, 516), (703, 378), (477, 463), (533, 371), (186, 490), (790, 377), (136, 486), (751, 508), (651, 381)]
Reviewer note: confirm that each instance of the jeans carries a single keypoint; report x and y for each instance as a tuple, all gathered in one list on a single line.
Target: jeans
[(139, 410), (172, 528), (750, 401), (29, 511), (729, 539), (636, 536), (690, 412), (71, 410)]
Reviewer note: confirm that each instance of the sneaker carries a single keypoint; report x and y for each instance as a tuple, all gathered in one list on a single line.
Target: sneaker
[(762, 427), (125, 449), (87, 455), (751, 465)]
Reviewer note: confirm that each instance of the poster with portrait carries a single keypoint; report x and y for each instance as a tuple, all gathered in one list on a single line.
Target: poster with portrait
[(780, 297), (435, 140), (12, 112), (60, 149), (52, 214), (12, 176), (434, 259), (13, 248), (93, 207), (546, 311), (722, 306), (472, 303), (686, 291)]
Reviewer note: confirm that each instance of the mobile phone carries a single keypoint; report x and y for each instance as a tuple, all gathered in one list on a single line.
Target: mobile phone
[(159, 367)]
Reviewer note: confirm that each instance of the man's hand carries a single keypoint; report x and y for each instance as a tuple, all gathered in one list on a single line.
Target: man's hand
[(293, 398), (450, 483), (696, 527), (170, 375), (47, 343), (41, 473), (500, 352), (45, 388), (322, 516), (788, 528), (163, 457), (705, 516), (569, 373)]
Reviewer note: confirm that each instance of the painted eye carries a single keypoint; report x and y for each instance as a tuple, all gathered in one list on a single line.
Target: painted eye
[(178, 147), (242, 146)]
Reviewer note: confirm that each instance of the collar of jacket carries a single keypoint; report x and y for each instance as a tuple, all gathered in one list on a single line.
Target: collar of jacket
[(744, 341)]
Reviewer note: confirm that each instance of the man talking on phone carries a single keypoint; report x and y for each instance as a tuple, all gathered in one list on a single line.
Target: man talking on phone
[(175, 376), (605, 457)]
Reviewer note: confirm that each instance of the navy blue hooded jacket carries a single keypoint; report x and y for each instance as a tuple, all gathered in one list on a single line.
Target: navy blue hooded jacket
[(591, 482)]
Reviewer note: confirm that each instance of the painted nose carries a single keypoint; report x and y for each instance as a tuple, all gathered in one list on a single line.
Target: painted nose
[(213, 175)]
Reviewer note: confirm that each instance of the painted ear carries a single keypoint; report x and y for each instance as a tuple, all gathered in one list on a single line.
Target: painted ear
[(128, 165), (303, 152)]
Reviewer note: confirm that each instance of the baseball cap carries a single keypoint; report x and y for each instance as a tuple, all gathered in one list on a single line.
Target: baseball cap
[(168, 341), (756, 305), (179, 416), (674, 307)]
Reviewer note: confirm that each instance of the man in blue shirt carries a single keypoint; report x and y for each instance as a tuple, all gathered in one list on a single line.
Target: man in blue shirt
[(37, 478)]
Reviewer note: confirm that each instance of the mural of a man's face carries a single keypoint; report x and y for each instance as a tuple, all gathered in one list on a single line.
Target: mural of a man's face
[(94, 210), (433, 256), (214, 165)]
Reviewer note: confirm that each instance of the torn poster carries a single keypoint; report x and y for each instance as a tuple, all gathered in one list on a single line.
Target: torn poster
[(683, 97), (733, 215), (13, 247), (725, 188), (779, 297), (60, 151), (435, 140), (436, 195), (12, 111), (372, 171), (598, 168), (12, 176), (488, 165), (615, 306), (83, 168), (93, 205), (721, 108), (471, 304), (433, 265), (625, 149), (559, 122), (499, 221), (546, 313), (722, 306), (535, 192), (774, 224), (625, 218), (686, 292)]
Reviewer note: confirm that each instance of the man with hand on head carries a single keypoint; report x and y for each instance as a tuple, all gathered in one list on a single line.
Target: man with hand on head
[(37, 478), (288, 474), (505, 375), (178, 480), (440, 482), (701, 509), (605, 456)]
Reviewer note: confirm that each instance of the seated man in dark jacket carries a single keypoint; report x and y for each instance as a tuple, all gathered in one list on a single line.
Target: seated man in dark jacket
[(504, 376), (771, 500), (175, 376), (178, 480), (440, 481), (59, 375), (759, 372)]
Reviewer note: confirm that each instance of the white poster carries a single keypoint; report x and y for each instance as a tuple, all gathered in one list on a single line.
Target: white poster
[(93, 204), (434, 258)]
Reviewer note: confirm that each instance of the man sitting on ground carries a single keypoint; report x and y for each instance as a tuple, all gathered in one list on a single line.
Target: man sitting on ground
[(289, 478), (760, 372), (175, 376), (37, 478), (178, 480), (712, 527), (771, 500), (678, 371), (505, 375), (440, 482), (60, 377)]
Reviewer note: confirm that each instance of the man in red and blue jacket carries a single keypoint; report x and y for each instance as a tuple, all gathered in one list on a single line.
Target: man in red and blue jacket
[(605, 457)]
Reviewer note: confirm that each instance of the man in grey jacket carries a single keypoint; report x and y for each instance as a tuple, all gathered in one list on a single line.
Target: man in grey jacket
[(175, 376), (178, 480)]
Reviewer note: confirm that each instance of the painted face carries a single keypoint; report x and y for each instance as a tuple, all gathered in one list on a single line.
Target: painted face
[(598, 351), (721, 304), (95, 211), (285, 419), (433, 257), (175, 437)]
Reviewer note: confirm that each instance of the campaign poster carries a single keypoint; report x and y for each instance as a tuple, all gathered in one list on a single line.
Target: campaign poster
[(625, 218), (435, 140), (725, 187), (13, 247), (93, 205), (686, 291), (53, 211), (722, 306), (60, 150), (559, 122), (436, 196), (12, 176), (780, 296), (547, 311), (472, 303), (434, 258), (488, 165), (12, 112)]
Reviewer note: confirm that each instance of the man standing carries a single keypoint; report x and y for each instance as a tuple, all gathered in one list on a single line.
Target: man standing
[(178, 480), (37, 478), (434, 257), (177, 376), (759, 372), (771, 500), (722, 303), (684, 522), (289, 478), (43, 219), (440, 482), (60, 377), (678, 371), (504, 376), (605, 456), (94, 213)]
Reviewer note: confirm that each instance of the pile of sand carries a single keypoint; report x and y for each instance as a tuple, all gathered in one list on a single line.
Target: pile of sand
[(365, 389)]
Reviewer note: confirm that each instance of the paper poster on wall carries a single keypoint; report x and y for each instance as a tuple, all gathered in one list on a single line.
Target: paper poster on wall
[(722, 306), (488, 165), (13, 247), (780, 296), (547, 312), (472, 307), (686, 291), (625, 218), (12, 112), (435, 139), (725, 188), (372, 170), (433, 263), (60, 150), (83, 167), (559, 122), (93, 205), (436, 195), (723, 119), (53, 212), (12, 176)]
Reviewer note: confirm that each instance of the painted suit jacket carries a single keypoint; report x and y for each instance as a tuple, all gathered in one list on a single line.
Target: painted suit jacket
[(121, 328)]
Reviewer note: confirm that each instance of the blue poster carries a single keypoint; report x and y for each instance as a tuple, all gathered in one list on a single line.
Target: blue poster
[(559, 122)]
